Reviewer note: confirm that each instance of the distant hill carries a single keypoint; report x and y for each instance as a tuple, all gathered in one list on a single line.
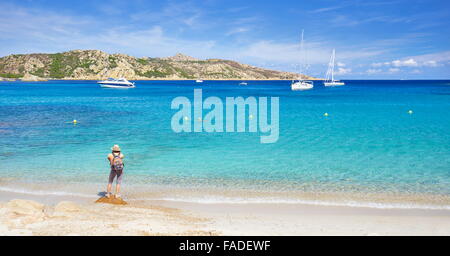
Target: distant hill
[(96, 65)]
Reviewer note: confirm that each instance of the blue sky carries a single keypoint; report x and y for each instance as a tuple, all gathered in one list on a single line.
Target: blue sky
[(373, 39)]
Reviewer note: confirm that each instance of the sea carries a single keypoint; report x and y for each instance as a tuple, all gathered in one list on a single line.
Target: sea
[(370, 143)]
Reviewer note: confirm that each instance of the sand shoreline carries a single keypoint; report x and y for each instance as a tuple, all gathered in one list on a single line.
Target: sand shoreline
[(72, 215), (230, 195)]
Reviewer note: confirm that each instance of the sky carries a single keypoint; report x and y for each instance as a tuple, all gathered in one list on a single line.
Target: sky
[(385, 39)]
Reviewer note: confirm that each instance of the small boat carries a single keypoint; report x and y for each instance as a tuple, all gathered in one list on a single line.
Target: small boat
[(242, 83), (199, 81), (329, 77), (300, 84), (116, 83)]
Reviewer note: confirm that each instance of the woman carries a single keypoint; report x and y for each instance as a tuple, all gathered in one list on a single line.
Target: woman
[(116, 163)]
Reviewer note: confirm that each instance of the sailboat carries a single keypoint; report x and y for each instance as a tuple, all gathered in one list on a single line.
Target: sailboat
[(300, 84), (329, 77)]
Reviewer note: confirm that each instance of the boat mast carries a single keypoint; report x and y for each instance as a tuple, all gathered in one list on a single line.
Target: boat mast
[(332, 67), (329, 77), (301, 56), (328, 74)]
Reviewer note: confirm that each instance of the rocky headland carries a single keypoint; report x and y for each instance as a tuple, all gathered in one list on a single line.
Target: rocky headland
[(97, 65)]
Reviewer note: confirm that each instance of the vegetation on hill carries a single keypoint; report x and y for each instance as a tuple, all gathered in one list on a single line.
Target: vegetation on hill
[(94, 64)]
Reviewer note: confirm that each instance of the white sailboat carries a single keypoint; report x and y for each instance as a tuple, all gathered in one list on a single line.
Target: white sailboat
[(300, 84), (329, 77)]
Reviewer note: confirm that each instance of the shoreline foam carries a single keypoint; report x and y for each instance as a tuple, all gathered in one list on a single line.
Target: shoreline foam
[(239, 196)]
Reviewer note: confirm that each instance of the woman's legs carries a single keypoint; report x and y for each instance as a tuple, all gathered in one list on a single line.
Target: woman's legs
[(117, 189), (112, 175), (118, 182)]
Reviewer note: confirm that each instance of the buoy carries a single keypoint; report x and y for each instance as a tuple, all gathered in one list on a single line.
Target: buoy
[(74, 121), (251, 116), (326, 114), (199, 119), (186, 118), (410, 112)]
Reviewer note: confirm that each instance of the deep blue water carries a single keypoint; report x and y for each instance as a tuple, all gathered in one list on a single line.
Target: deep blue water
[(368, 143)]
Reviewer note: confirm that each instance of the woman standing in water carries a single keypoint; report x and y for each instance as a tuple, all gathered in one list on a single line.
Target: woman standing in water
[(115, 159)]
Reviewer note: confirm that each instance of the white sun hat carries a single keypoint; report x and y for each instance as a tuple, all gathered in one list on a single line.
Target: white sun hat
[(115, 148)]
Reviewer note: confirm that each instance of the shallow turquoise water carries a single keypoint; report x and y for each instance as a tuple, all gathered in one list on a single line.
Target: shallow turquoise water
[(368, 143)]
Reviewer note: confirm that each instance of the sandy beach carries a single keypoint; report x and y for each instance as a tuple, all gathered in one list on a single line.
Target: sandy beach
[(24, 214)]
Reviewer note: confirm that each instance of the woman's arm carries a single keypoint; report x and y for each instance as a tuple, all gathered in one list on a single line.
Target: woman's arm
[(110, 157)]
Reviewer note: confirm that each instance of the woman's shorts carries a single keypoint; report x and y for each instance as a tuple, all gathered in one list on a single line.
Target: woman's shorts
[(113, 174)]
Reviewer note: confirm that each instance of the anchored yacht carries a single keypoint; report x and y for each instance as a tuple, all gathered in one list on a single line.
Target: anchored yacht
[(329, 80), (300, 84), (116, 83)]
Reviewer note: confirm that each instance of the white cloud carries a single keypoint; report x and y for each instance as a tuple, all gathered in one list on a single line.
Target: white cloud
[(326, 9), (343, 71), (430, 63), (245, 20), (32, 23), (373, 71), (340, 64), (348, 20), (283, 52), (316, 53), (426, 60), (43, 31), (237, 31), (405, 63), (376, 65), (179, 13), (394, 70), (191, 21), (154, 43), (438, 57)]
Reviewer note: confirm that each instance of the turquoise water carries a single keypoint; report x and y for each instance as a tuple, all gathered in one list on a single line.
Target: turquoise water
[(368, 144)]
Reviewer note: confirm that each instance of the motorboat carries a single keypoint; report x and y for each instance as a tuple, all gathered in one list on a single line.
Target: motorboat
[(301, 85), (116, 83)]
